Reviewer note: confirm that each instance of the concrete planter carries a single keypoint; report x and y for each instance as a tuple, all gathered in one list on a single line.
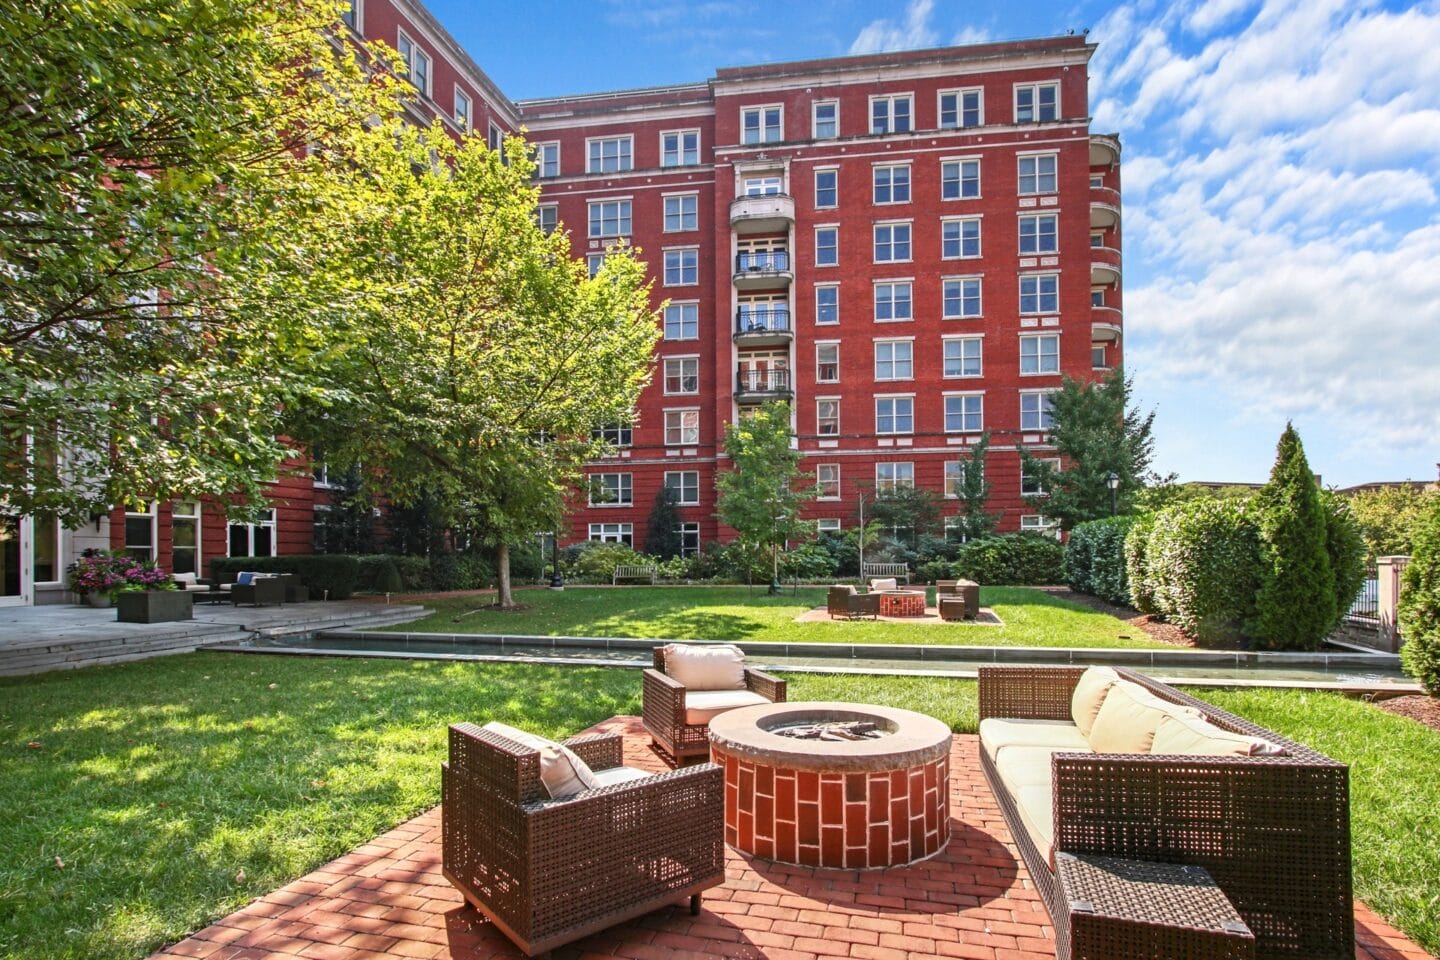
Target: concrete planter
[(155, 606)]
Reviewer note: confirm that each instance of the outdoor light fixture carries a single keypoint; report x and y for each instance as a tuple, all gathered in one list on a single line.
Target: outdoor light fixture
[(1113, 482)]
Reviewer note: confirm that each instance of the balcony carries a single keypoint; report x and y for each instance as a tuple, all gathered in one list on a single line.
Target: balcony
[(1104, 331), (767, 214), (764, 268), (1104, 208), (1104, 313), (1104, 150), (1104, 266), (761, 386), (763, 325)]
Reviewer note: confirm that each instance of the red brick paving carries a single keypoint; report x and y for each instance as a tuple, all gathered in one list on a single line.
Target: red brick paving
[(387, 900)]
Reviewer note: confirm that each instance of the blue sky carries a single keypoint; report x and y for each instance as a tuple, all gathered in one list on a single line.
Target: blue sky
[(1281, 184)]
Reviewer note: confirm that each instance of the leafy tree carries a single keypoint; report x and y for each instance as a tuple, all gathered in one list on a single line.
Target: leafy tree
[(163, 163), (764, 492), (914, 510), (975, 522), (1419, 614), (1345, 547), (349, 525), (1390, 517), (1096, 433), (474, 353), (1295, 604), (662, 538)]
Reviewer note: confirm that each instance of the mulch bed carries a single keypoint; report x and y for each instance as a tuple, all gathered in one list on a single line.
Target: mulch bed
[(1417, 707)]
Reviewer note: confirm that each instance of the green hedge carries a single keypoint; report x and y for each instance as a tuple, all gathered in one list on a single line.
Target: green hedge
[(1137, 564), (1420, 603), (1011, 559), (336, 574), (1202, 563), (414, 572), (1095, 559)]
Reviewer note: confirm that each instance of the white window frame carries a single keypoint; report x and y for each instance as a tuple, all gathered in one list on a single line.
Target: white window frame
[(963, 343), (547, 212), (467, 123), (628, 139), (1039, 296), (891, 243), (894, 400), (689, 531), (624, 218), (820, 418), (824, 482), (761, 127), (680, 151), (541, 149), (834, 172), (761, 186), (1037, 178), (686, 265), (815, 133), (404, 44), (909, 361), (893, 286), (680, 362), (890, 99), (962, 312), (1040, 341), (899, 479), (820, 364), (674, 419), (624, 485), (1038, 425), (834, 232), (978, 395), (828, 524), (681, 488), (1039, 247), (959, 94), (1039, 523), (624, 435), (827, 287), (250, 528), (680, 215), (952, 478), (890, 186), (1034, 89), (680, 307), (1033, 485), (613, 533), (594, 263), (960, 223), (150, 513), (961, 164), (198, 518)]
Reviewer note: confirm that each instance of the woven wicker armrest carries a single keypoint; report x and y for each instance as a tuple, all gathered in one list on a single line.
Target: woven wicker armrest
[(690, 794), (1028, 693), (600, 751), (770, 687), (662, 700)]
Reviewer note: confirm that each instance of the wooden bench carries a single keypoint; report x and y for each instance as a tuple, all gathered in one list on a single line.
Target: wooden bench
[(633, 571), (899, 571)]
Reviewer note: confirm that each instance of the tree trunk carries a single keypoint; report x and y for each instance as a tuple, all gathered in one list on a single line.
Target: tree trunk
[(502, 576)]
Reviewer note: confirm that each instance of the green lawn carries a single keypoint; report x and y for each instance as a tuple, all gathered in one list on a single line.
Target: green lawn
[(156, 784), (1032, 618)]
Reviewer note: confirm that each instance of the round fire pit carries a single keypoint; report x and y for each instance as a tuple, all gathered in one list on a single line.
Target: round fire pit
[(902, 603), (862, 787)]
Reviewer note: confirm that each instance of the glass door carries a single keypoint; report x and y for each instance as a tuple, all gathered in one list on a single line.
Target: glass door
[(14, 569)]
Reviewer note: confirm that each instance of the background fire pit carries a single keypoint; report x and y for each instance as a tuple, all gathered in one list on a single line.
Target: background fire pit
[(848, 804)]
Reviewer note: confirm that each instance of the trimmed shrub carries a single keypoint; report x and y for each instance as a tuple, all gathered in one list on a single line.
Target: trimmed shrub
[(1095, 559), (1137, 564), (526, 563), (593, 562), (810, 562), (335, 573), (1202, 564), (932, 570), (473, 571), (388, 580), (1011, 559), (1345, 543), (1420, 604), (414, 571)]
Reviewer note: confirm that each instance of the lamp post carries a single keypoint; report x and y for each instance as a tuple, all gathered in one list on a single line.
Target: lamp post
[(1113, 482), (557, 582), (774, 590)]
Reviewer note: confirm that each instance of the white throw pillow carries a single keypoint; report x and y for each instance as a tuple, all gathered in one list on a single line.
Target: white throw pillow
[(881, 586), (1089, 695), (562, 773), (1195, 736), (1128, 719), (711, 666)]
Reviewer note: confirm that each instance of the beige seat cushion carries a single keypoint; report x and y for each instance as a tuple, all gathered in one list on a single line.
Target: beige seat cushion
[(702, 706), (614, 775), (880, 586), (1001, 733), (1196, 736), (1037, 817), (1128, 719), (849, 588), (711, 666), (562, 773), (1089, 695), (1026, 775)]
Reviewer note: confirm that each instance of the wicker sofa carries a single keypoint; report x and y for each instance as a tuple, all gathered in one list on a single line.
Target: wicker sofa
[(1272, 830), (549, 872), (677, 717)]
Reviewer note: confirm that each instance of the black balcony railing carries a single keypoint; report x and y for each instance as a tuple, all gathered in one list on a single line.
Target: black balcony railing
[(763, 261), (763, 381), (762, 318)]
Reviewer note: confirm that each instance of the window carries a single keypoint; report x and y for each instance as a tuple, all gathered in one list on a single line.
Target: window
[(594, 262), (1040, 293), (892, 301), (45, 550), (547, 217), (1097, 180), (960, 108), (827, 189), (894, 414), (610, 218), (890, 477), (827, 304), (892, 242), (960, 239), (964, 413), (763, 186), (827, 418), (890, 114), (954, 477), (682, 375), (681, 213), (960, 297), (184, 537), (827, 246), (827, 363), (893, 359), (682, 321), (1030, 484), (350, 14), (760, 125), (611, 490), (462, 109), (689, 539), (1037, 174), (682, 427), (682, 267), (417, 70), (827, 526), (140, 531), (1040, 353), (1035, 411), (547, 159), (1097, 240), (613, 533), (252, 539), (1037, 102), (825, 119), (1097, 298), (495, 139), (686, 484), (679, 148), (1098, 360), (827, 481), (959, 179), (1038, 233), (892, 183), (962, 356), (613, 434), (1036, 523), (610, 155)]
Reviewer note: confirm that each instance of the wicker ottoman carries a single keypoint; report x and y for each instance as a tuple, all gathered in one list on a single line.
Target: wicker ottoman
[(951, 608), (1135, 910)]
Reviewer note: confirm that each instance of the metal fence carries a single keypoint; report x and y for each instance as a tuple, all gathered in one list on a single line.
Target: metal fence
[(1366, 607)]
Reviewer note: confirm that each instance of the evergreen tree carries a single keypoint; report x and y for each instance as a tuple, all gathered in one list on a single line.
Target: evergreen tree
[(1295, 605), (1420, 603), (662, 539)]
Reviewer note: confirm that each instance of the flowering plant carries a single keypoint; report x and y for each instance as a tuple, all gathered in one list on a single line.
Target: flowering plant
[(113, 572)]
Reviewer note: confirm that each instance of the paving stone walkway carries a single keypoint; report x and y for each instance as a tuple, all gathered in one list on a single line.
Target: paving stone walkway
[(388, 900)]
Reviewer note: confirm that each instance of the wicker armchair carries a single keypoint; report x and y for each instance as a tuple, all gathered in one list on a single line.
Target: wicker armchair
[(663, 710), (846, 602), (549, 872)]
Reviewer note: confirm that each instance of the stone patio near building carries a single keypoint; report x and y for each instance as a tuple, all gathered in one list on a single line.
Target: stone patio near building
[(387, 899)]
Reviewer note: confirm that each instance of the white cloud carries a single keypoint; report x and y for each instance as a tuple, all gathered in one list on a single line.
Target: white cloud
[(969, 34), (912, 32)]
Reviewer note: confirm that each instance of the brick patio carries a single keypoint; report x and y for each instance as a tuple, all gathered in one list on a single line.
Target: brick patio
[(387, 899)]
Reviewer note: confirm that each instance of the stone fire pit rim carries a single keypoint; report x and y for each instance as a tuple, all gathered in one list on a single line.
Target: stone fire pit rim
[(917, 739)]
